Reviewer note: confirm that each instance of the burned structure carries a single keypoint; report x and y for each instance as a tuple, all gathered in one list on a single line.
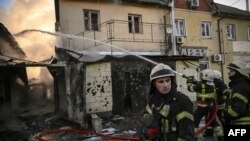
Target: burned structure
[(82, 86)]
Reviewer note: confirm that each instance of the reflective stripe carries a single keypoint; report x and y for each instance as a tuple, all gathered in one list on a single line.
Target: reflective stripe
[(206, 95), (165, 110), (190, 87), (164, 113), (241, 97), (242, 121), (203, 88), (149, 110), (218, 131), (184, 114), (232, 112), (180, 139), (222, 106), (165, 125), (227, 91)]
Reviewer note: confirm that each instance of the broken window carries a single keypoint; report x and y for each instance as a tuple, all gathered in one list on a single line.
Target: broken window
[(180, 28), (135, 23), (91, 20), (231, 31), (206, 30)]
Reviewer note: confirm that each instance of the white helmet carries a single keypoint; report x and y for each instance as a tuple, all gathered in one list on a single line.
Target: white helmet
[(207, 75), (217, 74), (241, 67), (161, 70)]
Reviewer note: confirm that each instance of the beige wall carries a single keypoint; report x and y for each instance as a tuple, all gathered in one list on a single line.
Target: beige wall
[(193, 37), (72, 23), (234, 49), (231, 50)]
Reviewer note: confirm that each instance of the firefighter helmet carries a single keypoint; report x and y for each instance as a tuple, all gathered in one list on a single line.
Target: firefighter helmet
[(207, 75), (217, 74), (241, 67), (161, 70)]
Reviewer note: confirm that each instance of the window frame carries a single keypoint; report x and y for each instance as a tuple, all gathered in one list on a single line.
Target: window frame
[(231, 31), (88, 21), (207, 31), (135, 27), (178, 27)]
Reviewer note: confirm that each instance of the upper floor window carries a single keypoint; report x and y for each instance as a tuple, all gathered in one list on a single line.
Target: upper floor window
[(91, 20), (248, 31), (231, 33), (206, 30), (135, 23), (180, 27)]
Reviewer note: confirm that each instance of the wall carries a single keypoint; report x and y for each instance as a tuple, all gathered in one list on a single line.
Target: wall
[(98, 88), (234, 49), (71, 14)]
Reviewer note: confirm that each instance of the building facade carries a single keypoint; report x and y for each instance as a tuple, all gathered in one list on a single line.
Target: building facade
[(189, 35)]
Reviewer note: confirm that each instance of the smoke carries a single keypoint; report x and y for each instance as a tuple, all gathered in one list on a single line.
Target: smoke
[(31, 14), (20, 15)]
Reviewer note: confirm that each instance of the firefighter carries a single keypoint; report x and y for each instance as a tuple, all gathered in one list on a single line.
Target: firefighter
[(237, 110), (221, 90), (169, 113), (205, 96)]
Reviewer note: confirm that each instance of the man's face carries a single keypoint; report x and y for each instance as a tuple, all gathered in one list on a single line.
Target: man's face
[(231, 73), (163, 84)]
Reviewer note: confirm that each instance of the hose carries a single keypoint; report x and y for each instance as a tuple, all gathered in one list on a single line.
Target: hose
[(209, 122), (111, 138)]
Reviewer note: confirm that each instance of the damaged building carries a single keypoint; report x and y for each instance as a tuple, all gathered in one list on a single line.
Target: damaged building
[(83, 87)]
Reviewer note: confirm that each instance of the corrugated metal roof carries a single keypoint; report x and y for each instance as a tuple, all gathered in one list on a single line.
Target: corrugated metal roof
[(7, 37), (16, 62), (227, 11)]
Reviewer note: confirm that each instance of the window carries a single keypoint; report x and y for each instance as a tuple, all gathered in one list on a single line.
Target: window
[(180, 27), (231, 31), (135, 23), (248, 31), (206, 30), (91, 20)]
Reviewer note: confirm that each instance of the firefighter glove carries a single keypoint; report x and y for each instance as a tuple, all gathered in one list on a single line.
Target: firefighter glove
[(190, 80), (151, 133)]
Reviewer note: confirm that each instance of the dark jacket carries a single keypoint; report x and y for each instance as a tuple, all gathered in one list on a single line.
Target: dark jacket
[(174, 114), (237, 108), (220, 87), (205, 92)]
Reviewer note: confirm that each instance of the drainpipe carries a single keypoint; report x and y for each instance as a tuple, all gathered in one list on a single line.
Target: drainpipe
[(220, 47), (172, 18), (57, 15)]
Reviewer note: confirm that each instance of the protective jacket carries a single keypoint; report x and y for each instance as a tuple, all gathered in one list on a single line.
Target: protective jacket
[(205, 92), (173, 114), (220, 88), (221, 94), (237, 107), (205, 97)]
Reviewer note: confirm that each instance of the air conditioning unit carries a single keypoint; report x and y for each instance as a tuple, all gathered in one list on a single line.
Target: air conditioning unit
[(195, 3), (217, 58), (179, 39)]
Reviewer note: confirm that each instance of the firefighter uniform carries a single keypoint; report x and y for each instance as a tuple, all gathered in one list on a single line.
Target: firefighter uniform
[(221, 92), (205, 97), (238, 103), (171, 113)]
